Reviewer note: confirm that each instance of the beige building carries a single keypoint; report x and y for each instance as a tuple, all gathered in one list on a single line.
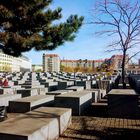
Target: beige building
[(51, 62), (9, 63), (115, 61), (82, 63), (69, 63), (37, 68), (98, 63)]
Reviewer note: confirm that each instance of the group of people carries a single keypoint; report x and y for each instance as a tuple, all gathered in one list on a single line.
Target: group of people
[(3, 82)]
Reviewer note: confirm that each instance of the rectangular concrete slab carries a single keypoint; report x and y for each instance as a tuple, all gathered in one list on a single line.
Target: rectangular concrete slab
[(6, 90), (123, 103), (28, 103), (122, 92), (64, 84), (95, 94), (45, 123), (86, 84), (27, 92), (5, 98), (31, 91), (63, 114), (43, 91), (58, 92), (78, 101), (32, 86), (75, 88)]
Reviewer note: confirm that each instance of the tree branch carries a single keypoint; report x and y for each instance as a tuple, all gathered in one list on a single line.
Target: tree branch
[(133, 56)]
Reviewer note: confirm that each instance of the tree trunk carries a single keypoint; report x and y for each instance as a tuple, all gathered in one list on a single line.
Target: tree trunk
[(123, 70)]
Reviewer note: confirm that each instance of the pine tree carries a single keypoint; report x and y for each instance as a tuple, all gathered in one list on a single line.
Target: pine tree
[(28, 24)]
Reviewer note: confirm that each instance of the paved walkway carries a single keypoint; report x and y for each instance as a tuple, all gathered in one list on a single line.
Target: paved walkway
[(98, 128)]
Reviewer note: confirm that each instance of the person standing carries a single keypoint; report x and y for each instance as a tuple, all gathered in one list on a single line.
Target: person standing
[(5, 83)]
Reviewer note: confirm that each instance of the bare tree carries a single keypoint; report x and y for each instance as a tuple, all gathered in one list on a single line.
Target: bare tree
[(121, 21)]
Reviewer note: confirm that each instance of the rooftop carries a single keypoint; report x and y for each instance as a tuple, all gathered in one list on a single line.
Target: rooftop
[(51, 55)]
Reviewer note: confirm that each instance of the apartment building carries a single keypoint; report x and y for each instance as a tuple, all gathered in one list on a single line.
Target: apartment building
[(116, 61), (51, 62), (82, 63), (98, 63), (69, 63)]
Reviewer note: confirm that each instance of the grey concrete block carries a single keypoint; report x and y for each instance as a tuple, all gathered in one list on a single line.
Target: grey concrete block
[(95, 94), (86, 84), (76, 88), (5, 98), (27, 92), (7, 90), (41, 124), (58, 92), (28, 103), (63, 114), (78, 101), (123, 103)]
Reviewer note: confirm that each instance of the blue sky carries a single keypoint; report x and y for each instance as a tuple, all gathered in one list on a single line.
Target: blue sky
[(86, 45)]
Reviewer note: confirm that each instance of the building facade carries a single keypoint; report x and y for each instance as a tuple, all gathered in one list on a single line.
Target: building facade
[(26, 64), (116, 61), (37, 68), (14, 64), (82, 63), (98, 63), (51, 62), (69, 63)]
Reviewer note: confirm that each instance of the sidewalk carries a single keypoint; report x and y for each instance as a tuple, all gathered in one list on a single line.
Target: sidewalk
[(97, 128)]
